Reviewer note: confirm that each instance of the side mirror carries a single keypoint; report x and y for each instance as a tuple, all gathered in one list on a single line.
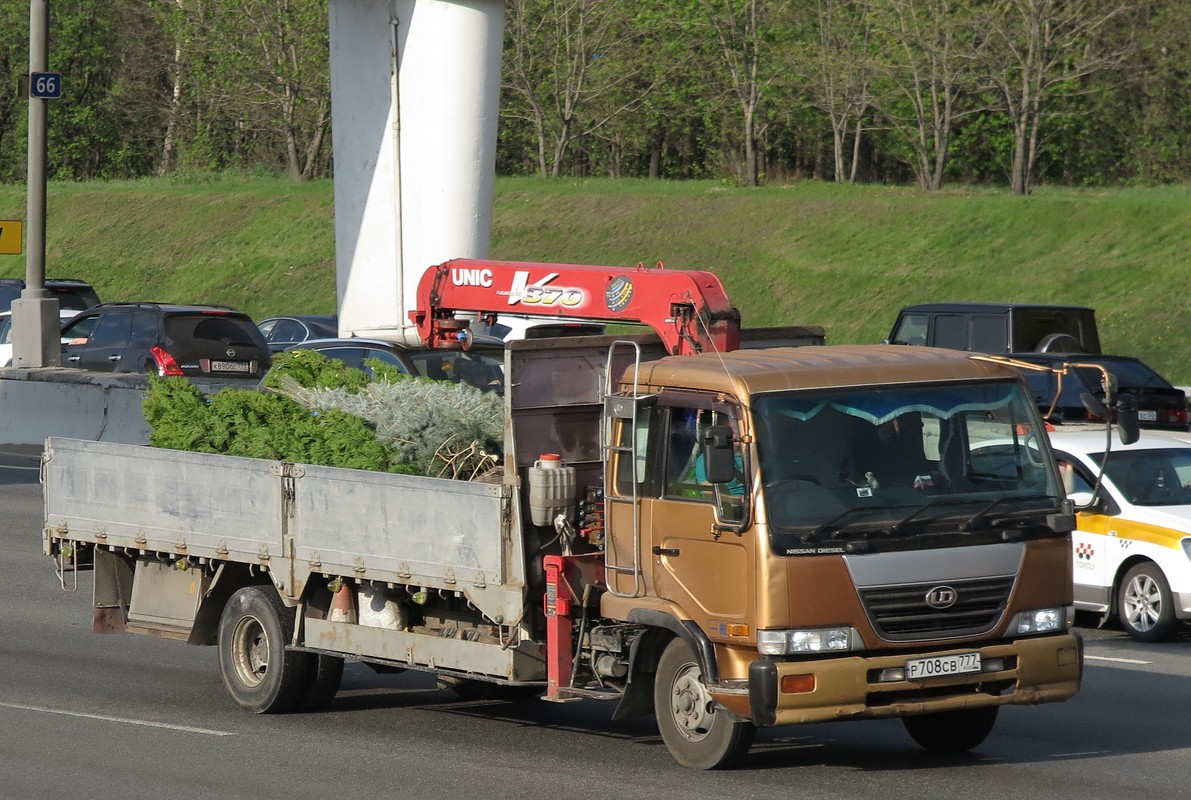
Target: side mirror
[(718, 458), (1127, 426), (1082, 501)]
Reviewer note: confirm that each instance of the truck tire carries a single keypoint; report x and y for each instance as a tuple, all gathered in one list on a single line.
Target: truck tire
[(694, 732), (952, 731), (325, 673), (1144, 604), (258, 672)]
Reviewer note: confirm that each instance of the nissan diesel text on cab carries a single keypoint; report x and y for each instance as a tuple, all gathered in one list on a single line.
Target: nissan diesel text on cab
[(725, 537)]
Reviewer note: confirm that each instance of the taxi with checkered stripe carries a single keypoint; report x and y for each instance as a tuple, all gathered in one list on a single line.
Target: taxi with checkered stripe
[(1131, 550)]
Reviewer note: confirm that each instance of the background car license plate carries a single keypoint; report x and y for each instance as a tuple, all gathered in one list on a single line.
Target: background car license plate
[(941, 666), (230, 366), (1147, 416)]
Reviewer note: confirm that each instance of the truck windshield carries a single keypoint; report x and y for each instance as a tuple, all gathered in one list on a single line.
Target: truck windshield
[(903, 467)]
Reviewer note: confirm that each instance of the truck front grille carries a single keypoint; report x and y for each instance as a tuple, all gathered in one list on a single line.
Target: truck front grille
[(901, 613)]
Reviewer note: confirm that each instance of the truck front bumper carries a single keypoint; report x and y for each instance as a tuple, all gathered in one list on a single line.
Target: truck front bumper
[(1024, 672)]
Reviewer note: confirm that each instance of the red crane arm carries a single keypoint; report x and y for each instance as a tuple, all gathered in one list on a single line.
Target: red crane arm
[(689, 309)]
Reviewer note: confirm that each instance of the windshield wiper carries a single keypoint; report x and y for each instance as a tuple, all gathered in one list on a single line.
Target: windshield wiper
[(833, 526), (971, 521), (931, 502)]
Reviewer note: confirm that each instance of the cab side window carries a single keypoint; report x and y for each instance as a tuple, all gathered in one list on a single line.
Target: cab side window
[(630, 471), (682, 455), (685, 470)]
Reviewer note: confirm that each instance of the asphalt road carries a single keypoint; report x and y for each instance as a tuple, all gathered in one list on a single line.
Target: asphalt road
[(99, 717)]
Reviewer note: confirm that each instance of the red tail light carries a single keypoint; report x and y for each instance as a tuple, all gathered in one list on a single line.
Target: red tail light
[(166, 365), (1175, 416)]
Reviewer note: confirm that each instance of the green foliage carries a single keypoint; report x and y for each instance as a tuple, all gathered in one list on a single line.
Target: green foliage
[(256, 424), (311, 368), (442, 428), (317, 410)]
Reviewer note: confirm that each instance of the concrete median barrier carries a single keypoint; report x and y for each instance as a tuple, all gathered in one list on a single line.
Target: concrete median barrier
[(75, 403)]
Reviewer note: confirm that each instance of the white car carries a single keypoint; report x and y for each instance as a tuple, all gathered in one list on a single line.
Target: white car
[(1131, 550), (6, 333)]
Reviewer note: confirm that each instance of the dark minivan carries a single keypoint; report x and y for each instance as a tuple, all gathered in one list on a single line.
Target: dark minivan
[(998, 327), (190, 341)]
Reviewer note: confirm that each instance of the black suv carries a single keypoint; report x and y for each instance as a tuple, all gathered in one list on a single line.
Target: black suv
[(192, 341), (998, 327), (72, 294), (1159, 404)]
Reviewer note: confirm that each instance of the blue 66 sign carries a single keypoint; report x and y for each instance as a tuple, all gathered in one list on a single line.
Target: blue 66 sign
[(45, 85)]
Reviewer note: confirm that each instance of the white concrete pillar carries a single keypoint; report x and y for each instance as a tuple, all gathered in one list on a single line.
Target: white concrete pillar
[(415, 88)]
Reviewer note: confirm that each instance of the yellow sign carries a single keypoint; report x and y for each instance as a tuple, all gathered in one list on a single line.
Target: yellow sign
[(10, 237)]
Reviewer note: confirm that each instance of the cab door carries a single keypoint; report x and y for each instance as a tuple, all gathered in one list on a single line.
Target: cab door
[(692, 553)]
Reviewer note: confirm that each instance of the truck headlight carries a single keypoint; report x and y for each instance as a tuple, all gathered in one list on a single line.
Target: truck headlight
[(1045, 620), (815, 640)]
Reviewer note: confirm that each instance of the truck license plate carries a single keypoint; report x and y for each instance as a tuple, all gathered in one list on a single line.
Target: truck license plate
[(942, 666), (231, 366)]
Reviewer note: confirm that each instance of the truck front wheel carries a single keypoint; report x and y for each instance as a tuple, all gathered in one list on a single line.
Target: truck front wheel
[(258, 672), (951, 731), (696, 734)]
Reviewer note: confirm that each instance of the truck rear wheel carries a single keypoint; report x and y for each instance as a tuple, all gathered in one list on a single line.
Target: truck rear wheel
[(952, 731), (325, 673), (258, 672), (696, 734)]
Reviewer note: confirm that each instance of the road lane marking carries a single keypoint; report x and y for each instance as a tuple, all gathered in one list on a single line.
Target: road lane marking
[(1116, 660), (123, 720)]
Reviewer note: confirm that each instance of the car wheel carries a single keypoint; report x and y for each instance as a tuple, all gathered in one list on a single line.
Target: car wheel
[(696, 734), (1144, 604), (258, 672), (951, 731)]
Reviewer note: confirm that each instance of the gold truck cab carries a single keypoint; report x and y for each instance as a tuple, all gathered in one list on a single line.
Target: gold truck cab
[(838, 533)]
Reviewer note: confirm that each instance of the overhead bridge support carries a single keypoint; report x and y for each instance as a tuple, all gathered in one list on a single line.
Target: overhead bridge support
[(415, 90)]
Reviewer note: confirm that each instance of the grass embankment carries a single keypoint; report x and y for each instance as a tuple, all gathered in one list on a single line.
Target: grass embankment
[(845, 257)]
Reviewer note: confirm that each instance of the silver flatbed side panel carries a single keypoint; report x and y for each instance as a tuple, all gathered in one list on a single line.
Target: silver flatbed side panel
[(402, 528), (168, 500)]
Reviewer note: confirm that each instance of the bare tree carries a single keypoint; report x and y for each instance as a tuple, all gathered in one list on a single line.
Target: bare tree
[(743, 35), (930, 61), (565, 59), (1037, 50), (837, 67)]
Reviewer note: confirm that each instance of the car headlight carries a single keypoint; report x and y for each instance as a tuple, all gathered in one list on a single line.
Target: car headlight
[(1186, 543), (815, 640), (1045, 620)]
